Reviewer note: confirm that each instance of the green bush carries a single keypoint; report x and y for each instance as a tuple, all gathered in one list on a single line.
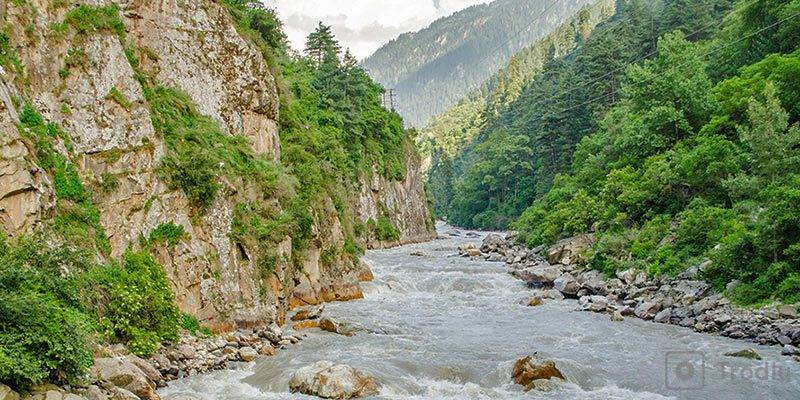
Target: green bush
[(87, 19), (167, 234), (134, 302), (43, 328)]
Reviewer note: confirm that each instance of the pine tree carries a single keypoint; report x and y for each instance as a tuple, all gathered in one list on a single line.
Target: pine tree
[(321, 45)]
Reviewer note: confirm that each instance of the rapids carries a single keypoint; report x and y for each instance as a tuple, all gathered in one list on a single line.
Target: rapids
[(445, 327)]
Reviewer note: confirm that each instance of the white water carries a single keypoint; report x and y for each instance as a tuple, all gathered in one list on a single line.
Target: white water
[(450, 328)]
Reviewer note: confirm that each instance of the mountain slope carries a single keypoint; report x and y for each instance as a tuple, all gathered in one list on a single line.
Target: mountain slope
[(434, 68)]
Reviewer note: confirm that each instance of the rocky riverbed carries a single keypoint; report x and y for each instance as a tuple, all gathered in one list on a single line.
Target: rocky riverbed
[(683, 300)]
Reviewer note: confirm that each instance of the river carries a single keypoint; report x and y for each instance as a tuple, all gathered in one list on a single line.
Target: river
[(446, 327)]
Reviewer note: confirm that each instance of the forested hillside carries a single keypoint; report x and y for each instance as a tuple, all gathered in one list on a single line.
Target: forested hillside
[(450, 132), (672, 141), (434, 68)]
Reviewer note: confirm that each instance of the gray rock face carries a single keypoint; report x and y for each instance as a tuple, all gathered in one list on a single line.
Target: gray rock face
[(331, 381)]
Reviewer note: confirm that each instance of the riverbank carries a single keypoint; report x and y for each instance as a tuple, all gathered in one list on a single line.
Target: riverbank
[(683, 300)]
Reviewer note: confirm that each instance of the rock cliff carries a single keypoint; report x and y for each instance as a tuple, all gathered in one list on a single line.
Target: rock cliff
[(86, 78)]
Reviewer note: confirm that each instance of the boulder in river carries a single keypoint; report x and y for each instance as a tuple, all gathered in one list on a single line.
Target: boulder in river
[(748, 353), (332, 325), (567, 284), (332, 381), (647, 310), (528, 370), (308, 313), (538, 274)]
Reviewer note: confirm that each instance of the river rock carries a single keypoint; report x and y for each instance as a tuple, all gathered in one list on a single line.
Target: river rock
[(646, 310), (567, 251), (539, 274), (331, 381), (788, 311), (663, 316), (534, 301), (789, 350), (748, 353), (331, 325), (306, 324), (566, 284), (616, 316), (527, 370), (550, 294), (7, 394), (122, 372), (247, 354), (494, 243), (308, 313), (627, 276)]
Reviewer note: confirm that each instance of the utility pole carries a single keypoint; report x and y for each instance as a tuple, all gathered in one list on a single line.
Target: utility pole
[(391, 99)]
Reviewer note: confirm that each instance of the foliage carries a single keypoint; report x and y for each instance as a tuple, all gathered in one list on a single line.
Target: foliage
[(56, 300), (167, 234), (561, 102), (200, 152), (383, 229), (680, 170), (87, 19)]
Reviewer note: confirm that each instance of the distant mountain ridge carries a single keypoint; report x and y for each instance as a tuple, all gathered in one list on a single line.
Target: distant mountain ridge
[(432, 69)]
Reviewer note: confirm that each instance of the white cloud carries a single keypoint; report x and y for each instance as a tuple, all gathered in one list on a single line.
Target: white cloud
[(362, 25)]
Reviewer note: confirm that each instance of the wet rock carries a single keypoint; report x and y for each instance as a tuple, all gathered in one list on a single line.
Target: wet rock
[(124, 374), (566, 284), (247, 354), (789, 350), (567, 251), (307, 324), (308, 313), (539, 274), (328, 380), (494, 243), (473, 235), (534, 301), (593, 303), (663, 316), (748, 353), (550, 294), (266, 350), (616, 316), (417, 254), (331, 325), (528, 370), (646, 310)]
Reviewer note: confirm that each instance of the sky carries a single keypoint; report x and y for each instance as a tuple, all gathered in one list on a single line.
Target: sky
[(362, 25)]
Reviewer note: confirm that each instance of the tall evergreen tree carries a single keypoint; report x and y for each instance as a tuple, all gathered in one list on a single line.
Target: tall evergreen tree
[(321, 45)]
